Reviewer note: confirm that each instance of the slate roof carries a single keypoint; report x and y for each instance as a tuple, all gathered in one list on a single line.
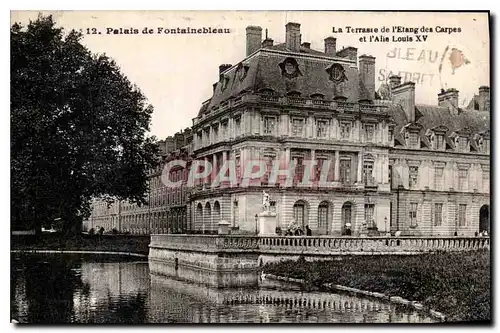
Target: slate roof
[(433, 116), (264, 72)]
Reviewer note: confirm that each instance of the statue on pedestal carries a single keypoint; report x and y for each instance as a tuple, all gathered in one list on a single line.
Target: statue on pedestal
[(265, 201)]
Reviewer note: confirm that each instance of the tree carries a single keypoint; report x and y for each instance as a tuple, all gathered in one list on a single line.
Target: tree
[(78, 129)]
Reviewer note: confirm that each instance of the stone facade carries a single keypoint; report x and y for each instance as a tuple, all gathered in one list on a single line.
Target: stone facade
[(395, 165), (166, 211)]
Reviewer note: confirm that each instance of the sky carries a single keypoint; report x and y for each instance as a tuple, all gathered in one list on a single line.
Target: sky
[(176, 71)]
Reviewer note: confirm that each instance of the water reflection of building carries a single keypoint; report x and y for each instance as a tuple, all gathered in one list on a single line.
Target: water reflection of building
[(189, 302)]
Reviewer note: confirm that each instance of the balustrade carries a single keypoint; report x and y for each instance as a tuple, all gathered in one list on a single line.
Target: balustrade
[(317, 244)]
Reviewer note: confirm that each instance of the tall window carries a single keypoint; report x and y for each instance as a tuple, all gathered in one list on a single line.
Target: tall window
[(438, 178), (369, 209), (345, 171), (345, 130), (237, 126), (390, 175), (462, 143), (269, 125), (438, 214), (413, 140), (298, 213), (439, 141), (297, 127), (321, 128), (224, 130), (368, 173), (462, 179), (391, 134), (369, 132), (413, 176), (413, 214), (486, 180), (323, 215), (299, 169), (462, 209)]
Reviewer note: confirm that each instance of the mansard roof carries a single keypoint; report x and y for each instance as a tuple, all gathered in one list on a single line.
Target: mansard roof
[(430, 117), (310, 75)]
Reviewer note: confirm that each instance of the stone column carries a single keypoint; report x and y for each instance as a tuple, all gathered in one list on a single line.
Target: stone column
[(206, 179), (313, 169), (214, 168), (360, 167), (224, 159), (336, 177)]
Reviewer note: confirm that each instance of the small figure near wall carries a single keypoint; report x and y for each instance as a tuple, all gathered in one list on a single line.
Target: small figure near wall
[(265, 201)]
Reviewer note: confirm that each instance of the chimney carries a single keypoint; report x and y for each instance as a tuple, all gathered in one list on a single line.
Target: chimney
[(449, 99), (484, 98), (224, 67), (292, 37), (331, 46), (349, 52), (404, 95), (307, 45), (394, 81), (254, 38), (367, 75)]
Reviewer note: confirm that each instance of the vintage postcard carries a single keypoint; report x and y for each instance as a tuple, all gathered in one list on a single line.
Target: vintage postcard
[(250, 167)]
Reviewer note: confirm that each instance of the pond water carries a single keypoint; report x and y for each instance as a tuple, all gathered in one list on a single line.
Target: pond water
[(59, 288)]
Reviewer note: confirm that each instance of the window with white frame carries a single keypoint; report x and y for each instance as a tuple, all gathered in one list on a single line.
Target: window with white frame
[(438, 214), (297, 126), (345, 129), (269, 124), (369, 209), (462, 143), (462, 210), (413, 140), (462, 179), (486, 179), (439, 142), (438, 178), (413, 214), (237, 125), (345, 170), (322, 128), (413, 176)]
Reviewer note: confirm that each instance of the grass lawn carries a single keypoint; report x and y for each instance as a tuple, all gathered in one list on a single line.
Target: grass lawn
[(55, 241), (456, 284)]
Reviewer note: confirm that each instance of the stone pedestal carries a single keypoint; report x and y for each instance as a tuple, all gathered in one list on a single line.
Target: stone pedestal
[(267, 223), (224, 227)]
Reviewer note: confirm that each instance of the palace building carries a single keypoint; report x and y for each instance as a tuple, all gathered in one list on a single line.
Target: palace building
[(394, 165), (166, 211)]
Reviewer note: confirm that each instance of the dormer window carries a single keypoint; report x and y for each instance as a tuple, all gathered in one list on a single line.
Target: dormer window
[(413, 141), (439, 141), (462, 143), (293, 94)]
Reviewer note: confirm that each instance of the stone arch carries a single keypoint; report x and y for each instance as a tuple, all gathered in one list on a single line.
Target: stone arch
[(217, 214), (348, 217), (484, 219), (301, 213), (207, 217), (198, 219), (325, 211)]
